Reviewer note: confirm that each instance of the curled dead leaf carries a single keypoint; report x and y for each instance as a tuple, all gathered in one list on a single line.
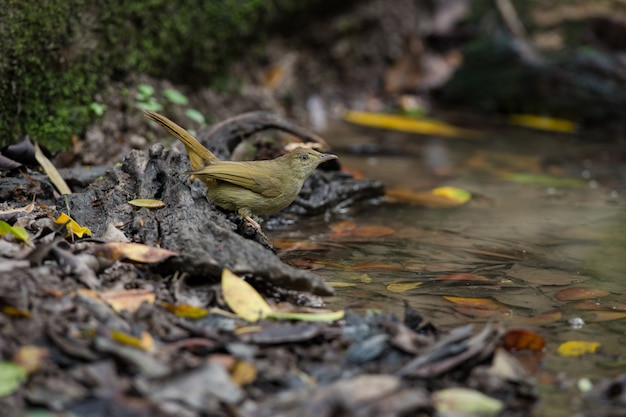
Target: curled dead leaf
[(72, 227)]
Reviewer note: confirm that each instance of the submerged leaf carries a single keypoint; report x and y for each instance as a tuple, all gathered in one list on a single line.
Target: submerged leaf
[(408, 124), (338, 284), (597, 305), (599, 316), (550, 124), (544, 180), (519, 339), (440, 197), (72, 227), (478, 303), (348, 230), (580, 293), (457, 195), (577, 348), (242, 298), (400, 287), (464, 277), (135, 252)]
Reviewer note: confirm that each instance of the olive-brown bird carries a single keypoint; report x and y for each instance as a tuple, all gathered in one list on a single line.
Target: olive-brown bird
[(247, 187)]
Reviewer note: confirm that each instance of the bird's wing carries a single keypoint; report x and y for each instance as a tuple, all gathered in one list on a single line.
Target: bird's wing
[(251, 178)]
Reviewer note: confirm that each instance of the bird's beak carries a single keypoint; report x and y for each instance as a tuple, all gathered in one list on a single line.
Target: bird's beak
[(327, 157)]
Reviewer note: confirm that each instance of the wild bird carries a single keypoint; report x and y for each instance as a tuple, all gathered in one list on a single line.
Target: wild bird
[(247, 187)]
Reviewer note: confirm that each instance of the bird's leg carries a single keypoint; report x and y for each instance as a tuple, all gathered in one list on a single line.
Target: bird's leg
[(247, 217)]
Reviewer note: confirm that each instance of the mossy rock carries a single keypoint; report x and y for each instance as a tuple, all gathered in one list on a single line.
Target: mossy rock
[(58, 54)]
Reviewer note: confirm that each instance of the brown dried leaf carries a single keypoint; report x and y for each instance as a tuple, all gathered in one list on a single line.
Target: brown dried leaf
[(30, 357), (518, 339), (134, 252), (129, 300)]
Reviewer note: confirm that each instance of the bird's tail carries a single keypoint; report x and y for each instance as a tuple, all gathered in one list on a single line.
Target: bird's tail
[(199, 156)]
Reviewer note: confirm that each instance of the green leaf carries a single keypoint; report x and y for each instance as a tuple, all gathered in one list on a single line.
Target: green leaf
[(175, 97), (544, 180), (11, 377), (18, 232), (145, 91), (195, 115), (151, 104), (97, 108)]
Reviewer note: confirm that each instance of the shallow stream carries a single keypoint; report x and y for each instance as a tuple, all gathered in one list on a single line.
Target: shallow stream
[(548, 214)]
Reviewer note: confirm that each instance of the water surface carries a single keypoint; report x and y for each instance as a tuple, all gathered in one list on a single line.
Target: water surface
[(522, 239)]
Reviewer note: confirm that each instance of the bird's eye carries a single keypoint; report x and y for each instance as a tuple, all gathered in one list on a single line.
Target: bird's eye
[(304, 157)]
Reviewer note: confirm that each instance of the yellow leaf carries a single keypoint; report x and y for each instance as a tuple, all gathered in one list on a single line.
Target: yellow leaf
[(147, 203), (243, 373), (400, 287), (30, 357), (135, 252), (577, 348), (72, 227), (338, 284), (317, 317), (476, 302), (145, 342), (18, 232), (129, 300), (16, 312), (242, 298), (185, 310), (51, 172), (441, 197), (452, 193), (407, 124), (543, 123)]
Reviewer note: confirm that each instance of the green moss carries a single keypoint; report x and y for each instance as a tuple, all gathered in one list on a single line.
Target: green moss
[(41, 91), (56, 54)]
